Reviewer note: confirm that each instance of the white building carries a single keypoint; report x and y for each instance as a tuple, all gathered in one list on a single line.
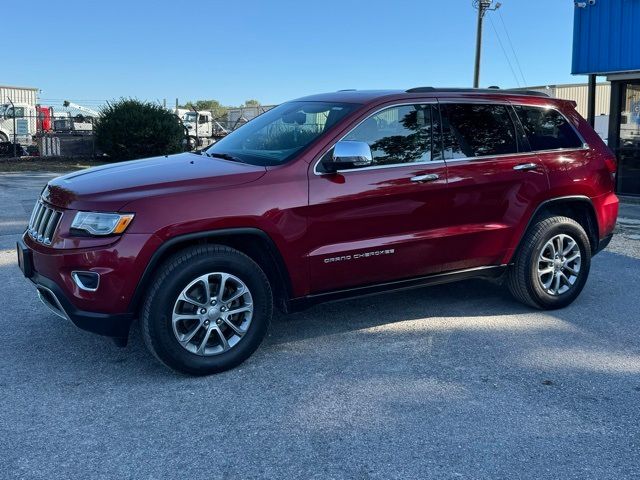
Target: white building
[(23, 95)]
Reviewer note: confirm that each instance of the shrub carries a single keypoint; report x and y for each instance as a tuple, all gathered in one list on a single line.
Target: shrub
[(129, 129)]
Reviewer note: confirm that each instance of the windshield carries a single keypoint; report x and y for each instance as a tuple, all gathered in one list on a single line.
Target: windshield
[(189, 117), (278, 135)]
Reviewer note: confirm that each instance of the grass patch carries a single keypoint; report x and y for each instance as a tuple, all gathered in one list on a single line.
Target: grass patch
[(40, 164)]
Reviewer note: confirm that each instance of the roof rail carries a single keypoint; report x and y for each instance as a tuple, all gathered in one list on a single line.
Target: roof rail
[(493, 90)]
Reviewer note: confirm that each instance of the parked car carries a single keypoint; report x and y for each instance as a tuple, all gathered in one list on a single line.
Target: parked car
[(322, 198)]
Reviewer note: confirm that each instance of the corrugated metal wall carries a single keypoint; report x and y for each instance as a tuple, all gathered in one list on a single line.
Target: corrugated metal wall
[(579, 93), (605, 37), (18, 95)]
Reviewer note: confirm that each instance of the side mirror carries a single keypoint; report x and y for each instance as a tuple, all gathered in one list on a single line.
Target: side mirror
[(348, 154)]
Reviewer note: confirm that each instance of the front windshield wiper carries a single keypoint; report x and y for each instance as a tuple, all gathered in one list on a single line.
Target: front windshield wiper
[(224, 156)]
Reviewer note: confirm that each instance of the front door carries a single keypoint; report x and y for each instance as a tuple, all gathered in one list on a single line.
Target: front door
[(380, 223)]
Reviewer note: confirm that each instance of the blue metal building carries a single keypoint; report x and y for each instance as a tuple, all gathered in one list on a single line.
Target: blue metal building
[(606, 42)]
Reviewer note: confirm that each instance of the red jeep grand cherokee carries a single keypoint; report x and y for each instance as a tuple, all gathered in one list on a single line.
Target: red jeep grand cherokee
[(325, 197)]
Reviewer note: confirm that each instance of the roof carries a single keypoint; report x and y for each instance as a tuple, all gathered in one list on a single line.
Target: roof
[(367, 96), (19, 88), (351, 96)]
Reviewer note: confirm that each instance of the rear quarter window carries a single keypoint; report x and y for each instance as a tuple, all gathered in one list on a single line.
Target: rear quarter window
[(547, 129)]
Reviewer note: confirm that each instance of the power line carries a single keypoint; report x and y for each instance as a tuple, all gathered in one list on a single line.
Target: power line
[(515, 55), (504, 52)]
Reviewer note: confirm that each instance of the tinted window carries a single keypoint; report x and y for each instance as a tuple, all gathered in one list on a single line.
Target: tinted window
[(475, 130), (547, 129), (279, 134), (402, 134)]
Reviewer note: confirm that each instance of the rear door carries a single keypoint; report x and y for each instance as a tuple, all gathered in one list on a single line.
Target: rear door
[(380, 223), (493, 180)]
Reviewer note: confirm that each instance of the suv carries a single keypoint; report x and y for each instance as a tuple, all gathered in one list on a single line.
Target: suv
[(325, 197)]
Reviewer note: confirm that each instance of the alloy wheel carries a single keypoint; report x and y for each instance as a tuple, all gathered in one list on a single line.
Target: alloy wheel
[(559, 264), (212, 314)]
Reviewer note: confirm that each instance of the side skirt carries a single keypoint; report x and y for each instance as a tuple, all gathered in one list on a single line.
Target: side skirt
[(298, 304)]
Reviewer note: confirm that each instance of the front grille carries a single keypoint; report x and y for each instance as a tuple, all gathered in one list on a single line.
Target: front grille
[(43, 223)]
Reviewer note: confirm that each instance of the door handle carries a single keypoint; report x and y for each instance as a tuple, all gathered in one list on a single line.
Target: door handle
[(526, 166), (429, 177)]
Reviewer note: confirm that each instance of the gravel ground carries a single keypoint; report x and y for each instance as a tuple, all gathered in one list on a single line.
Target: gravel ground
[(454, 381)]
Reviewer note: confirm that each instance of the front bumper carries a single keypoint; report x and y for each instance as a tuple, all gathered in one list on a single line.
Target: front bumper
[(106, 311), (110, 325)]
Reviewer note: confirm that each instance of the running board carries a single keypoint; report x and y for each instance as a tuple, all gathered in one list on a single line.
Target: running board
[(297, 304)]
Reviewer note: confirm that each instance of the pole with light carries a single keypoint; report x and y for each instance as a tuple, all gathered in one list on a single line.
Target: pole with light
[(482, 6)]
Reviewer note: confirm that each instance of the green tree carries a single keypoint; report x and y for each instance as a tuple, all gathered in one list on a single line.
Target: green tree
[(252, 103), (218, 110), (129, 129)]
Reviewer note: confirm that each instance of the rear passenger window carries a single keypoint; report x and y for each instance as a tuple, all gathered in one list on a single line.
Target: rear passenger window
[(547, 129), (402, 134), (476, 130)]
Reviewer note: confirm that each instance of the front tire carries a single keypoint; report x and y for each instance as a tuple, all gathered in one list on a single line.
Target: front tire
[(552, 264), (208, 309)]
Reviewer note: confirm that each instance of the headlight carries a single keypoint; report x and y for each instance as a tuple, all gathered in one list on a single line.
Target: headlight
[(102, 223)]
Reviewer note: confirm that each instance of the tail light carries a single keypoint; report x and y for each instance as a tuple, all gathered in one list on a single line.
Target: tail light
[(612, 165)]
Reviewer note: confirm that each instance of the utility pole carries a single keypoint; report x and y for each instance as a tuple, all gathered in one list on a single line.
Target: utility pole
[(483, 7)]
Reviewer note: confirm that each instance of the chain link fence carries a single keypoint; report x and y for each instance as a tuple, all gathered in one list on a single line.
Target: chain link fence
[(66, 129)]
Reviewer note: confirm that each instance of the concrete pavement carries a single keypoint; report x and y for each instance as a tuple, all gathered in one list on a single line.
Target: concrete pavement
[(454, 381)]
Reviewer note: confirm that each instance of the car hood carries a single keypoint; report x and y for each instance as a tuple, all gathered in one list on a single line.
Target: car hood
[(110, 187)]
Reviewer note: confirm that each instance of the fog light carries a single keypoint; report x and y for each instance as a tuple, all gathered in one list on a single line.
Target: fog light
[(87, 281)]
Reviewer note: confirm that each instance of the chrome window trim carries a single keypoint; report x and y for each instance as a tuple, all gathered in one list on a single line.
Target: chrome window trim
[(585, 145), (517, 154)]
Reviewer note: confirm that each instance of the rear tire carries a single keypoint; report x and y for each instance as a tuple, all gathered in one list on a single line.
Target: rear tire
[(193, 328), (552, 264)]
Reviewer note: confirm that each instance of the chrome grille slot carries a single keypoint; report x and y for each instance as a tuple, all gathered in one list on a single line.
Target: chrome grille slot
[(43, 223)]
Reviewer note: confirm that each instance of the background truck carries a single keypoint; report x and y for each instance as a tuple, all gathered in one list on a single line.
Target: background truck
[(81, 122), (202, 128), (17, 123)]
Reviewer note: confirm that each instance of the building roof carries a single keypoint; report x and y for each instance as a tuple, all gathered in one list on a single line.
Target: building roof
[(19, 88), (558, 85)]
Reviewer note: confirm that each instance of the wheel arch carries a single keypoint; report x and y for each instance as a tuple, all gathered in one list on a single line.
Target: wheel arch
[(578, 207), (253, 242)]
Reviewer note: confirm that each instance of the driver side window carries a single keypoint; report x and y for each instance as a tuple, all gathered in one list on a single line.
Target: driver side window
[(401, 134)]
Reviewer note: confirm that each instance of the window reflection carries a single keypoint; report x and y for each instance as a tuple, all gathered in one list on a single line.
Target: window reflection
[(473, 130), (403, 134)]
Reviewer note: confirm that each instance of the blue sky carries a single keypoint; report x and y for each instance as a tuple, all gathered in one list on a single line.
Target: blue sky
[(275, 50)]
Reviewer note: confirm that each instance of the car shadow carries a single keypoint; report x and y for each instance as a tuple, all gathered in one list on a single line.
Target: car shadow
[(48, 345)]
